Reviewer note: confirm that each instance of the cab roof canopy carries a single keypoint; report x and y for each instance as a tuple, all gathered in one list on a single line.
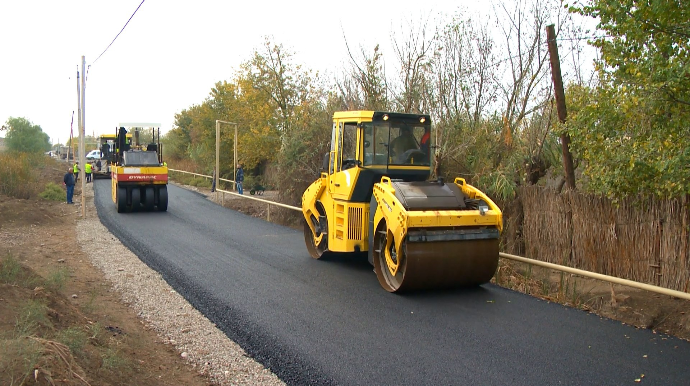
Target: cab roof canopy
[(138, 124)]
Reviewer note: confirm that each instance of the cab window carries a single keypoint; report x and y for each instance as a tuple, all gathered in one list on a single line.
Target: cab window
[(408, 145), (349, 145), (376, 138)]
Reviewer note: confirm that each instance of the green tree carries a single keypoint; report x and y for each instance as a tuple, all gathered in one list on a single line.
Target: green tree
[(23, 136), (631, 129)]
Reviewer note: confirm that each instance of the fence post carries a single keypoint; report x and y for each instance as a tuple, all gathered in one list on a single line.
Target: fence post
[(222, 199), (268, 213)]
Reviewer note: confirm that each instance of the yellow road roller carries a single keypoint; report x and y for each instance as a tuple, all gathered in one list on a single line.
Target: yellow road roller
[(374, 196), (138, 174)]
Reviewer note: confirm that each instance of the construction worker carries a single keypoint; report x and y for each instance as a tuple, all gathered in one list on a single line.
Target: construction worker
[(87, 170), (424, 143), (76, 171)]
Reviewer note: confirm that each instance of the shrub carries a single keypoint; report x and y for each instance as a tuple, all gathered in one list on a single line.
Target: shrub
[(18, 176), (53, 192)]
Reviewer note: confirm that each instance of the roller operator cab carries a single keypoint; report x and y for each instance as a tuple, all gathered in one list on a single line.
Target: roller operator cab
[(138, 174), (374, 196)]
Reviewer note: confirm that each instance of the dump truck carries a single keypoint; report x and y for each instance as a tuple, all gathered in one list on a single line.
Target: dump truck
[(374, 196), (138, 174)]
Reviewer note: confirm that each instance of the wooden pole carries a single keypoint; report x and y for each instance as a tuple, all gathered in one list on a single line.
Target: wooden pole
[(560, 105), (216, 170), (82, 138)]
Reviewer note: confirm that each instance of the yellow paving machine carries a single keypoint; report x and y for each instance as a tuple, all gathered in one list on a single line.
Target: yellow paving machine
[(106, 150), (138, 174), (373, 196)]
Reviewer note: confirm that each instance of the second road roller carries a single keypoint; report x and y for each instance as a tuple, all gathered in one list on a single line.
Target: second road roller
[(139, 175), (374, 196)]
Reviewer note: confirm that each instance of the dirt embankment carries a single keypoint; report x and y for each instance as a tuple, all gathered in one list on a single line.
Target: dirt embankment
[(60, 321)]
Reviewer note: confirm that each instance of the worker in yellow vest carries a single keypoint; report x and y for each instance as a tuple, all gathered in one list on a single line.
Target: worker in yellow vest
[(76, 171), (87, 170)]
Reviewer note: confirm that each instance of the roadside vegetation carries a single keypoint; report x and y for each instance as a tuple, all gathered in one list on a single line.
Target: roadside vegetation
[(18, 176), (22, 164), (501, 132)]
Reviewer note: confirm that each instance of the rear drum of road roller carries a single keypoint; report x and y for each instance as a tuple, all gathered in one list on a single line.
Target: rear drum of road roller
[(163, 198), (149, 198), (121, 199), (315, 251), (434, 264), (136, 197)]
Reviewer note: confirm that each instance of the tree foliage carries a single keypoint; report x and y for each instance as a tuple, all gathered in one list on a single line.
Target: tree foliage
[(496, 130), (632, 128), (23, 136)]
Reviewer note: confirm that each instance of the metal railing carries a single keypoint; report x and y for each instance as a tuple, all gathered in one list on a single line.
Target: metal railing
[(563, 268), (224, 192)]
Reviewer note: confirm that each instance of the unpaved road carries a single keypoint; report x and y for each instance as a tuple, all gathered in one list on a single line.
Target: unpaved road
[(329, 322)]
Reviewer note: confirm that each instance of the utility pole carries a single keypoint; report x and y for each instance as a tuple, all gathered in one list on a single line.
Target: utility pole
[(82, 134), (560, 105)]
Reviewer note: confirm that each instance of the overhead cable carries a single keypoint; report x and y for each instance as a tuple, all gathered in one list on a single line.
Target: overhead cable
[(118, 34)]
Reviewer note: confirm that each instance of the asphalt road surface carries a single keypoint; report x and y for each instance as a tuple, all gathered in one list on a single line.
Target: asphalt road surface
[(330, 323)]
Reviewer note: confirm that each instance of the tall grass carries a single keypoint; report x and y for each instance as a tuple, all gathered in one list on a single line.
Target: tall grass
[(56, 279), (33, 314), (10, 270), (18, 174)]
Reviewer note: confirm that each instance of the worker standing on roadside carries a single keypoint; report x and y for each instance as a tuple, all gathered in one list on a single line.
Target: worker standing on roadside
[(87, 170), (76, 171), (68, 181), (239, 178)]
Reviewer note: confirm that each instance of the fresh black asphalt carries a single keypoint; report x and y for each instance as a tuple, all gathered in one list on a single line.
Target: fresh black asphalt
[(330, 323)]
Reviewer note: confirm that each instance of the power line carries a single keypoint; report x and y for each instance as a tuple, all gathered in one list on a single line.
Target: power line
[(118, 34)]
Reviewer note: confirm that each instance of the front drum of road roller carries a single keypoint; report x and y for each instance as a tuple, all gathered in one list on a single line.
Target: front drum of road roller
[(459, 250), (435, 264)]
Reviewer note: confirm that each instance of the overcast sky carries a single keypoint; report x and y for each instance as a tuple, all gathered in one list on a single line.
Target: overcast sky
[(172, 52)]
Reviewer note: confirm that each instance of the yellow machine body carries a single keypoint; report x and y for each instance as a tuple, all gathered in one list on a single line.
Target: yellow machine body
[(373, 196), (139, 178)]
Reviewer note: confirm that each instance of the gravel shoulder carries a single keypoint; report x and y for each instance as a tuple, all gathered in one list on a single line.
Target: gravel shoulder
[(165, 311)]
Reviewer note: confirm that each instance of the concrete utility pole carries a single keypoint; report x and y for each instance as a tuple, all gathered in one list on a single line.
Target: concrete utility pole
[(71, 142), (82, 134), (560, 105)]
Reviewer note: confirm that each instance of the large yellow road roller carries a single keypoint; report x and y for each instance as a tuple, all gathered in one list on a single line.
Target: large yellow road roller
[(373, 195), (139, 175)]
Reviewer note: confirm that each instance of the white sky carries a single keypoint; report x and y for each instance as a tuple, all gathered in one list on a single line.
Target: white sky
[(172, 52)]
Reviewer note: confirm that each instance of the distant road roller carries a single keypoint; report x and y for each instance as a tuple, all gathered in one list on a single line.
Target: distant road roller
[(374, 196), (138, 174)]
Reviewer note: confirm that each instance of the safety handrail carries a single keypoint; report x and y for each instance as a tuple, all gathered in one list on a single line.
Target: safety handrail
[(599, 276), (241, 195)]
